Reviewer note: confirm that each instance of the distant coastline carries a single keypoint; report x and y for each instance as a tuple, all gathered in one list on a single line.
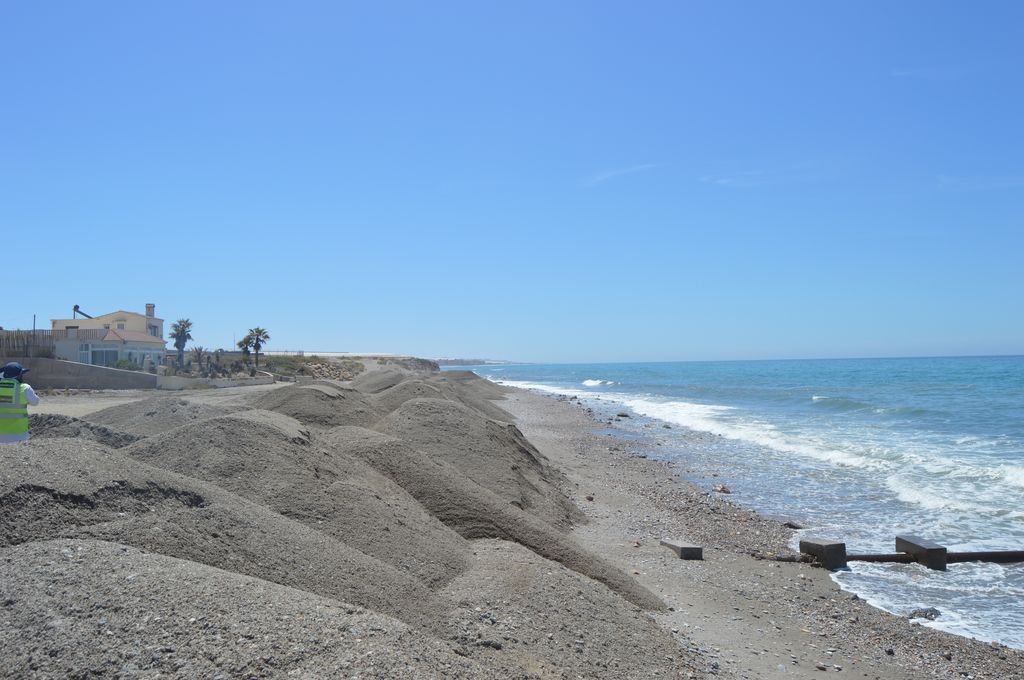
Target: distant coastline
[(472, 362)]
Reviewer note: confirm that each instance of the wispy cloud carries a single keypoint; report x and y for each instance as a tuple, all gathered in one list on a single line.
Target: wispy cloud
[(796, 173), (981, 182), (602, 177), (747, 178), (934, 74)]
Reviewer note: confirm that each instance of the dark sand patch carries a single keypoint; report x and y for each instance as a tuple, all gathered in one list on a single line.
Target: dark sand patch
[(53, 425)]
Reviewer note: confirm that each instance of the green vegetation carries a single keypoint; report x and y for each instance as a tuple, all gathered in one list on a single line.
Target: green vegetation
[(181, 333), (313, 366), (254, 340)]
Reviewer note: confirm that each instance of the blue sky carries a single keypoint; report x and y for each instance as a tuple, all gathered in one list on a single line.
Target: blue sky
[(538, 181)]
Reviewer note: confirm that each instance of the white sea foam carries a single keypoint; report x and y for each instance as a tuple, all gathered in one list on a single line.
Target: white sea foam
[(912, 467), (915, 492), (1013, 475), (539, 387), (709, 418), (714, 419)]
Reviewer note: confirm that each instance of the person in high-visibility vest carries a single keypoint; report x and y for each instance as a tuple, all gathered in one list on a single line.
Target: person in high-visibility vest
[(15, 398)]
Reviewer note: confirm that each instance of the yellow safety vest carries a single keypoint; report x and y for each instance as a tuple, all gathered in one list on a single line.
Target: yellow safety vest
[(13, 411)]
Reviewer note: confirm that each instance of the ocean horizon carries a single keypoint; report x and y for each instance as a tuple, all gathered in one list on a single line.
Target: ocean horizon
[(856, 449)]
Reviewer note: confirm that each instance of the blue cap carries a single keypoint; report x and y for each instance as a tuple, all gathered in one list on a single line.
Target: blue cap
[(14, 370)]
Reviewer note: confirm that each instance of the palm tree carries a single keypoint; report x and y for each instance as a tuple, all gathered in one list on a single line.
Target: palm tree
[(245, 344), (198, 354), (181, 334), (258, 337)]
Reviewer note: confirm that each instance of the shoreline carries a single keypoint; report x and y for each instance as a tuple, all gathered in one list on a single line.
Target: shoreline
[(406, 524), (754, 618)]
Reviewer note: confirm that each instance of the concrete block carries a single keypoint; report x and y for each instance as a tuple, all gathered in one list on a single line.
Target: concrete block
[(931, 555), (686, 551), (830, 554)]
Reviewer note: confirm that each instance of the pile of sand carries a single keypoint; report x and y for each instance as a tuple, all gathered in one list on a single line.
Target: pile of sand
[(472, 510), (321, 405), (493, 454), (64, 488), (266, 530), (154, 415), (473, 391), (380, 379), (50, 425), (80, 608), (552, 620), (393, 397), (260, 456)]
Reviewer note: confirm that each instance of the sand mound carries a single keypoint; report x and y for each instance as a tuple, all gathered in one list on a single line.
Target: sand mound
[(375, 381), (262, 457), (50, 425), (493, 454), (75, 608), (393, 397), (154, 415), (473, 384), (327, 382), (470, 389), (67, 488), (471, 509), (554, 621), (321, 405)]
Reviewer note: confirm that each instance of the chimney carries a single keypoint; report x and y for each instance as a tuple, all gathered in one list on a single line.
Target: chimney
[(150, 309)]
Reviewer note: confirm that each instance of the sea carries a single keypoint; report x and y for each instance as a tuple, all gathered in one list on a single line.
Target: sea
[(856, 450)]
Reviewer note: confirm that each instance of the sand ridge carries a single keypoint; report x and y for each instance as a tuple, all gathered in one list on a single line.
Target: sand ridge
[(154, 415), (493, 454), (322, 503), (321, 405)]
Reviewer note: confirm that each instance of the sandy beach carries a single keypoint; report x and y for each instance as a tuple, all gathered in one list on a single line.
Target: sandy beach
[(404, 525)]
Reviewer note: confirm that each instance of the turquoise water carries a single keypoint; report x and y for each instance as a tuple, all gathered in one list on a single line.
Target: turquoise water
[(858, 450)]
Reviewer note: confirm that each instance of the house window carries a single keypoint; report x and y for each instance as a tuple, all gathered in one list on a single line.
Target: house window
[(104, 357), (120, 326), (106, 326), (154, 331)]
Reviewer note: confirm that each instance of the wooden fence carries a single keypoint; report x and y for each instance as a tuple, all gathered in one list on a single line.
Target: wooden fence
[(40, 343)]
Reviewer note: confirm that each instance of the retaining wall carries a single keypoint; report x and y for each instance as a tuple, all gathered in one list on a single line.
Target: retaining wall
[(59, 374), (177, 382)]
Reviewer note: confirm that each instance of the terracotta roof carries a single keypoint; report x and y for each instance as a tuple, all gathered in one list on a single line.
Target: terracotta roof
[(132, 336)]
